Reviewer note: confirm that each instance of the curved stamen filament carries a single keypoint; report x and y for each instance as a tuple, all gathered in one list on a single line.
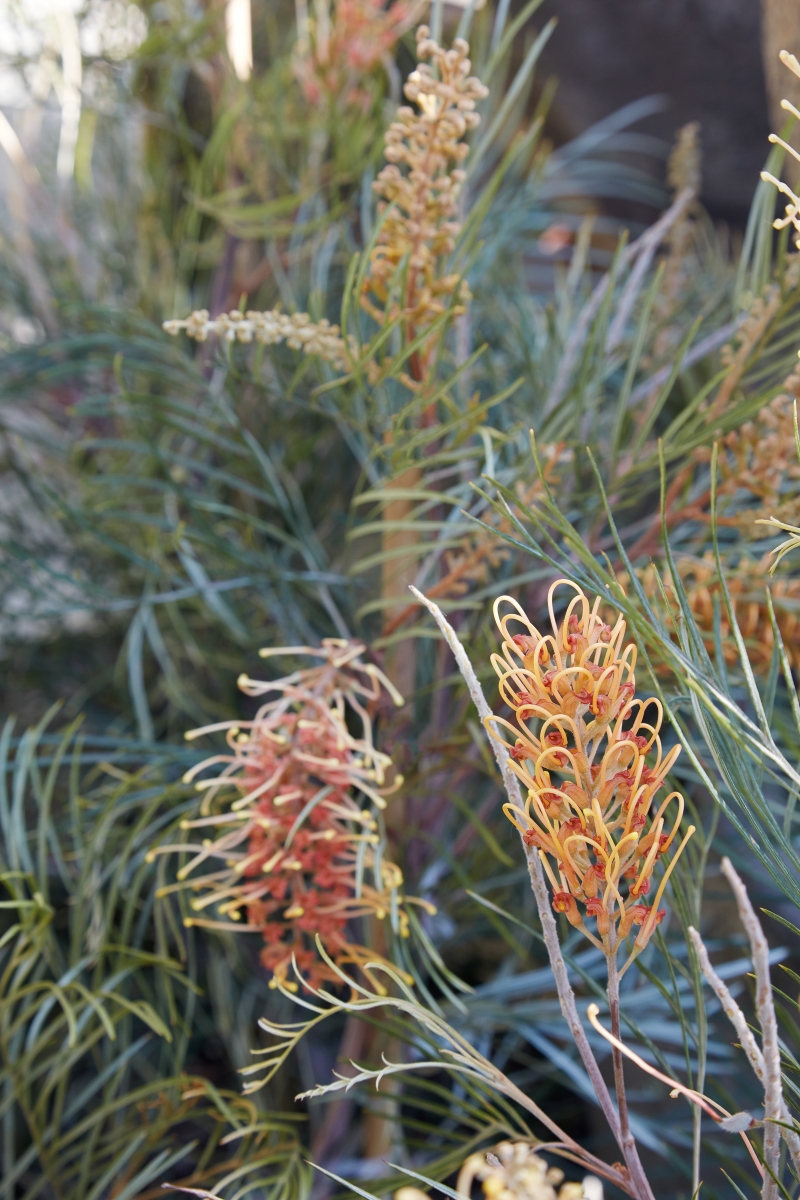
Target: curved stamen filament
[(649, 860), (678, 819), (649, 924), (491, 721), (513, 813), (550, 875)]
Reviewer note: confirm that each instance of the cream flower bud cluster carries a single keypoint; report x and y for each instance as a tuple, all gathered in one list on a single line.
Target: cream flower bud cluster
[(271, 327), (512, 1171), (428, 143)]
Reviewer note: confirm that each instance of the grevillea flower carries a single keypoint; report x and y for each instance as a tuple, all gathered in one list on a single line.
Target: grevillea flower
[(589, 753), (295, 810), (422, 224), (513, 1171), (337, 49)]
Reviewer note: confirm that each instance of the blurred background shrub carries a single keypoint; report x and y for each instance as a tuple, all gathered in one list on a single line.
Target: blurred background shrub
[(169, 507)]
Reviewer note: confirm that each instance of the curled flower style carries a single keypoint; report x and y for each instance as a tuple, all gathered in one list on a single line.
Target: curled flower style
[(589, 753), (422, 224), (319, 338), (295, 810), (513, 1171)]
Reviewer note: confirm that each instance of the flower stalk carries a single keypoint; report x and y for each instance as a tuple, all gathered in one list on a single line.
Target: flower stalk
[(409, 280)]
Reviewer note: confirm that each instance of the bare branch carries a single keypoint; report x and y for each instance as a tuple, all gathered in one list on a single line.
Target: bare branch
[(745, 1035), (729, 1006), (773, 1091)]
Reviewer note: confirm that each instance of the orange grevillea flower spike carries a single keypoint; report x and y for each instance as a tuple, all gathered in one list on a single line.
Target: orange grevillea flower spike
[(589, 753), (294, 805)]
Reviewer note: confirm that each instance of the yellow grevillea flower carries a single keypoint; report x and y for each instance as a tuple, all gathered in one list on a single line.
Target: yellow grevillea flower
[(589, 753), (513, 1171)]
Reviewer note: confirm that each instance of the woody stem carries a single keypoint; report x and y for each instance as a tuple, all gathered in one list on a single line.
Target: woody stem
[(629, 1149), (619, 1078)]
